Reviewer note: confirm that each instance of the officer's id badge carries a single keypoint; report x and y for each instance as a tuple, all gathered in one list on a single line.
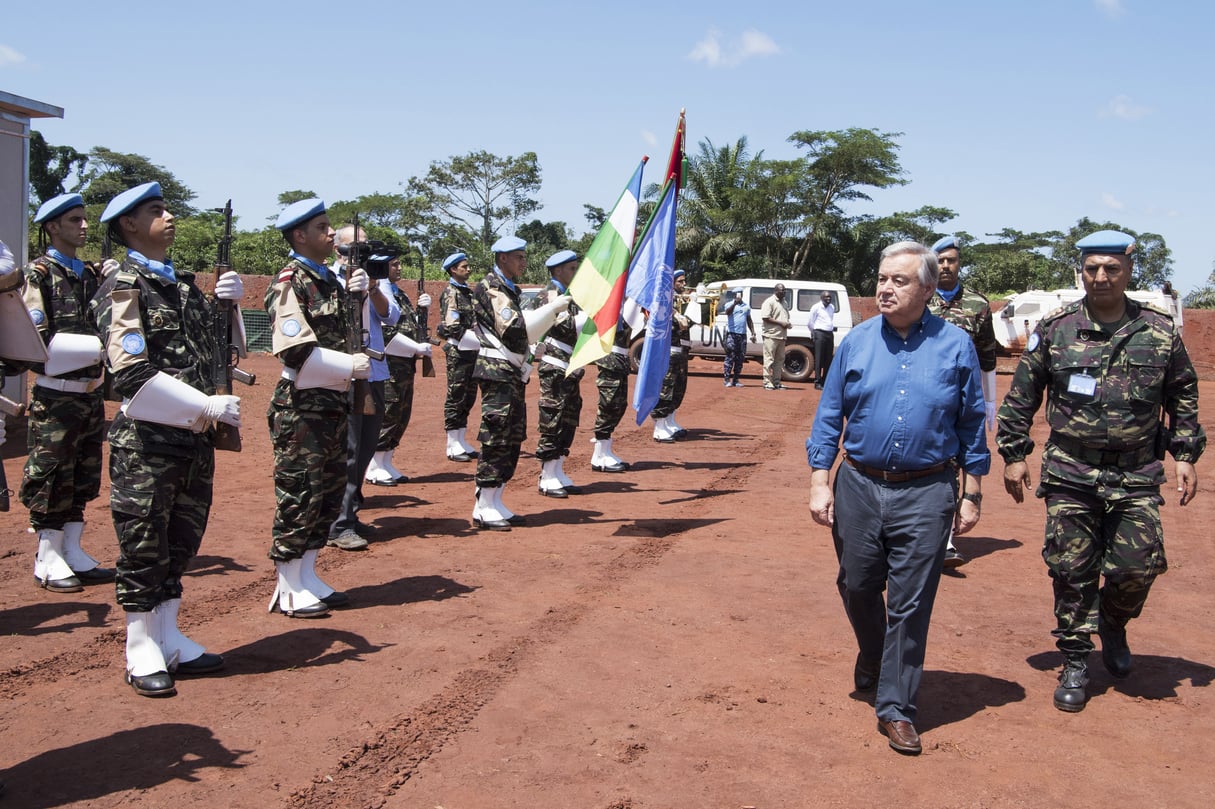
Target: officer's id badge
[(1083, 384), (1033, 342), (507, 314), (38, 316), (291, 328), (133, 344)]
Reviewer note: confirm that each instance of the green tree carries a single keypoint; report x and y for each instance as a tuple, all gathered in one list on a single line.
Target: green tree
[(838, 165), (712, 236), (1152, 258), (50, 167), (109, 173), (1015, 262), (1203, 297), (476, 193)]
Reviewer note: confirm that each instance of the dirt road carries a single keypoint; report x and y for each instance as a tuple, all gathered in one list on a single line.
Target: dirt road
[(671, 638)]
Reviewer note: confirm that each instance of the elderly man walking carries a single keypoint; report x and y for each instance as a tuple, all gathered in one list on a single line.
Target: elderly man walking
[(905, 395)]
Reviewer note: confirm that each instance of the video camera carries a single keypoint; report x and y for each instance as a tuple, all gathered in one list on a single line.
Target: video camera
[(372, 256)]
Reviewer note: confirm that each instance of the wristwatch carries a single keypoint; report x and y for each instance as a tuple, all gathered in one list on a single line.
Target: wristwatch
[(974, 497)]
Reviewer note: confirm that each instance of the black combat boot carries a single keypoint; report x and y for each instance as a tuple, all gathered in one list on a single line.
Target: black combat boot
[(1070, 696), (1114, 652)]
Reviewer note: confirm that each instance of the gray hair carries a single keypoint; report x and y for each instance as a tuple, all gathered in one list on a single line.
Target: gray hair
[(929, 269)]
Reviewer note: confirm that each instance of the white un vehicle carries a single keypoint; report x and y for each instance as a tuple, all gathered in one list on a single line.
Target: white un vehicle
[(709, 321)]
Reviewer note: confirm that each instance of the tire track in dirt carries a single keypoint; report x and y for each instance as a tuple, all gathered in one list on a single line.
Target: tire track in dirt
[(370, 774)]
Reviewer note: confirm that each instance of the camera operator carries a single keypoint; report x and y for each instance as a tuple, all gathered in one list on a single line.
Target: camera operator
[(363, 430)]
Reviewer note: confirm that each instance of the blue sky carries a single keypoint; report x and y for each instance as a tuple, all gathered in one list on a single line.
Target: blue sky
[(1027, 115)]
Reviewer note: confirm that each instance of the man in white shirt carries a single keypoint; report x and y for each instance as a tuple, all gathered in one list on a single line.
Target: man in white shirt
[(822, 325)]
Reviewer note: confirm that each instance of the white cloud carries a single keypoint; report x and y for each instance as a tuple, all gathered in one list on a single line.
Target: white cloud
[(1110, 201), (10, 56), (649, 137), (1110, 8), (1126, 109), (715, 53)]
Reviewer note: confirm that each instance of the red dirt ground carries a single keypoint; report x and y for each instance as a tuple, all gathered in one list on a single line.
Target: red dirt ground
[(671, 638)]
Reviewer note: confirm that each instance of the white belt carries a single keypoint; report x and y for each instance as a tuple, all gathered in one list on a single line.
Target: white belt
[(687, 343), (566, 347), (451, 341), (551, 360), (501, 354), (677, 350), (624, 352), (290, 374), (68, 385)]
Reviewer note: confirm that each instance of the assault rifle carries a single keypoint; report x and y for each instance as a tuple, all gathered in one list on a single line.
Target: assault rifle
[(227, 353), (356, 254), (423, 315)]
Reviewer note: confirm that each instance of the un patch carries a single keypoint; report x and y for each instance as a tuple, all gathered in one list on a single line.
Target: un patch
[(1033, 342), (133, 344), (506, 314), (38, 316), (291, 328)]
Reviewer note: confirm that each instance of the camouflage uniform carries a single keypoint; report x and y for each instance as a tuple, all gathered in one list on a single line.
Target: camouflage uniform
[(1101, 467), (971, 313), (675, 383), (160, 476), (560, 396), (66, 427), (503, 410), (613, 383), (307, 427), (398, 388), (456, 317)]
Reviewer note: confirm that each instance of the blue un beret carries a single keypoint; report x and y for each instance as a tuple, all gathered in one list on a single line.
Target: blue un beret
[(945, 243), (299, 212), (509, 244), (560, 257), (677, 274), (736, 291), (1111, 242), (453, 260), (128, 200), (57, 207)]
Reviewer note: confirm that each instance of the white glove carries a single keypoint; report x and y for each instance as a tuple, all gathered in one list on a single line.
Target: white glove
[(109, 267), (562, 303), (3, 435), (424, 351), (362, 364), (8, 263), (991, 416), (423, 301), (229, 287), (222, 408), (358, 281)]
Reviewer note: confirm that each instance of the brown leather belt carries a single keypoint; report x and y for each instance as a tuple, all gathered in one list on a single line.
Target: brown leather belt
[(898, 477)]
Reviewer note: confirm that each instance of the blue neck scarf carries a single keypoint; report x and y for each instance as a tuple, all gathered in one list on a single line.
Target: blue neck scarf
[(509, 283), (161, 269), (456, 283), (319, 269), (73, 264), (949, 295)]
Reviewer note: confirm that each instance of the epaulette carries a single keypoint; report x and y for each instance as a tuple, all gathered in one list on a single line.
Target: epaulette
[(39, 265), (1153, 308), (125, 276), (285, 274), (1062, 310)]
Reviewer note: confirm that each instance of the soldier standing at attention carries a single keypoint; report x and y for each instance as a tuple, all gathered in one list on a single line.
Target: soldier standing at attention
[(156, 326), (970, 312), (66, 416), (675, 383), (560, 397), (1111, 370), (456, 328), (612, 380), (503, 366), (309, 408), (401, 351)]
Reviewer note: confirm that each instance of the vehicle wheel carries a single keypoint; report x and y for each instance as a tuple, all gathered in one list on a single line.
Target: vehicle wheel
[(635, 354), (799, 363)]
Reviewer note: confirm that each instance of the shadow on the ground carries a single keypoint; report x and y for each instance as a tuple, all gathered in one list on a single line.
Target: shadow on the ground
[(57, 616), (952, 696), (1153, 676), (312, 644), (129, 760)]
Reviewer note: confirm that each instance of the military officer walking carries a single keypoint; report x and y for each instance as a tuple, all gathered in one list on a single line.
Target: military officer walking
[(1120, 392)]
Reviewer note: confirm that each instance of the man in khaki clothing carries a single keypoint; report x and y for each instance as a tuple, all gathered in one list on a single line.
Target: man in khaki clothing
[(775, 317)]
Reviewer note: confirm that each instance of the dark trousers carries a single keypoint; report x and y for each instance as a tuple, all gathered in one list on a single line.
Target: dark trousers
[(891, 536), (824, 351), (362, 435), (736, 355)]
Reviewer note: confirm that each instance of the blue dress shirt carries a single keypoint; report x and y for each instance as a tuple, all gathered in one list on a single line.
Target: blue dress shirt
[(372, 321), (737, 317), (903, 405)]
